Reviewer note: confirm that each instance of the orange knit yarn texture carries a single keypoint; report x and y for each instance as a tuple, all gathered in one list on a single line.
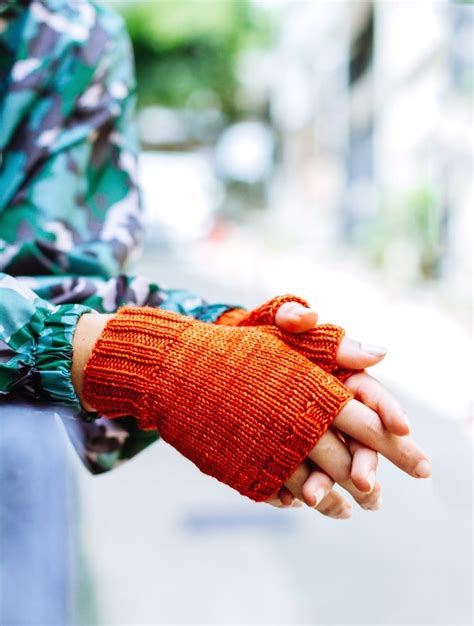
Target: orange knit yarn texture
[(319, 345), (239, 402)]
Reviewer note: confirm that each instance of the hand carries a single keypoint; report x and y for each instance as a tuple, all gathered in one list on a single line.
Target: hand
[(353, 466), (314, 486), (88, 335)]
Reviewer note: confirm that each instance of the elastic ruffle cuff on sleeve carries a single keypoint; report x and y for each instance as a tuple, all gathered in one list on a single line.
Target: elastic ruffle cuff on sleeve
[(36, 344), (53, 353)]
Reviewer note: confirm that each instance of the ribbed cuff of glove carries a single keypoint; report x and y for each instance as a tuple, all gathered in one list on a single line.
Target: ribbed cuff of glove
[(238, 402)]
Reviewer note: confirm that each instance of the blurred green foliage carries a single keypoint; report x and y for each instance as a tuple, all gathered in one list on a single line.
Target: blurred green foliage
[(415, 218), (186, 51), (424, 224)]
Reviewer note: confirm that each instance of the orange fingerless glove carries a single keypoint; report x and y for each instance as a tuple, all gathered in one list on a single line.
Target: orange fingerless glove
[(240, 403), (319, 345)]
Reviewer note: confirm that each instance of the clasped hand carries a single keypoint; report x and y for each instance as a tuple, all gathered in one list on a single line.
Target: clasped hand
[(347, 454)]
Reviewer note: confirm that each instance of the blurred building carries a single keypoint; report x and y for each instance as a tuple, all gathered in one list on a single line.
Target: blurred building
[(343, 123), (374, 101)]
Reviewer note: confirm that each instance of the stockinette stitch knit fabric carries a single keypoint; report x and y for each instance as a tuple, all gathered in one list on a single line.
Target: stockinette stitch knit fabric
[(239, 402), (319, 345)]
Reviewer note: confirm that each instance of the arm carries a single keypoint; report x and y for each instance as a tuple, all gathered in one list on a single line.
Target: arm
[(87, 332), (35, 360), (70, 213)]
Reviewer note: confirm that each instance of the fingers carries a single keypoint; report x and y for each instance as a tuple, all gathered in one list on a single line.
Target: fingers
[(355, 355), (335, 506), (364, 425), (371, 393), (364, 466), (314, 488), (284, 499), (295, 318), (296, 481), (276, 502), (332, 456), (318, 493)]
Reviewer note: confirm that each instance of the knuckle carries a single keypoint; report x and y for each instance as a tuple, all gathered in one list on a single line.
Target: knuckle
[(374, 426), (344, 472), (405, 459)]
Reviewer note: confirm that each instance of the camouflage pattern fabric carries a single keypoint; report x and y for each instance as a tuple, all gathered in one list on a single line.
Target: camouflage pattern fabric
[(70, 214)]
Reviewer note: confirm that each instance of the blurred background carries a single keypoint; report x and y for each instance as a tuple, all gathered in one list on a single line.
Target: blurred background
[(323, 148)]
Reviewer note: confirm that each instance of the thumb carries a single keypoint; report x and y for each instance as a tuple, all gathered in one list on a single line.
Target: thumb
[(295, 318), (356, 355)]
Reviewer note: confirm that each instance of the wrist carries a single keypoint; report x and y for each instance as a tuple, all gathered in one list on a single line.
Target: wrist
[(88, 329)]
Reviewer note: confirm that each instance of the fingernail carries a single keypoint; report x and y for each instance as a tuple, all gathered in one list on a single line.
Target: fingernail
[(297, 503), (371, 479), (406, 420), (299, 310), (423, 469), (373, 350), (319, 495)]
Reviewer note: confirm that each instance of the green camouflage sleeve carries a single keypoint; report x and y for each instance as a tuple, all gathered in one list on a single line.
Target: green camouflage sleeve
[(69, 199), (70, 213), (36, 354), (35, 361), (36, 344)]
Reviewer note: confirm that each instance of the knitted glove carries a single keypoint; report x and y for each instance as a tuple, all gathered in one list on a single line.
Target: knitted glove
[(238, 402), (319, 345)]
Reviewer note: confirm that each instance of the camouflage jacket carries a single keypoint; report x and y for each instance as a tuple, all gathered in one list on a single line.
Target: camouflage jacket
[(70, 213)]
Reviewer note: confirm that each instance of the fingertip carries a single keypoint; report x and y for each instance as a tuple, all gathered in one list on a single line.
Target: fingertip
[(315, 488), (368, 360), (405, 423), (373, 359), (308, 493), (305, 320), (354, 354), (295, 318), (310, 501), (374, 351), (423, 469)]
